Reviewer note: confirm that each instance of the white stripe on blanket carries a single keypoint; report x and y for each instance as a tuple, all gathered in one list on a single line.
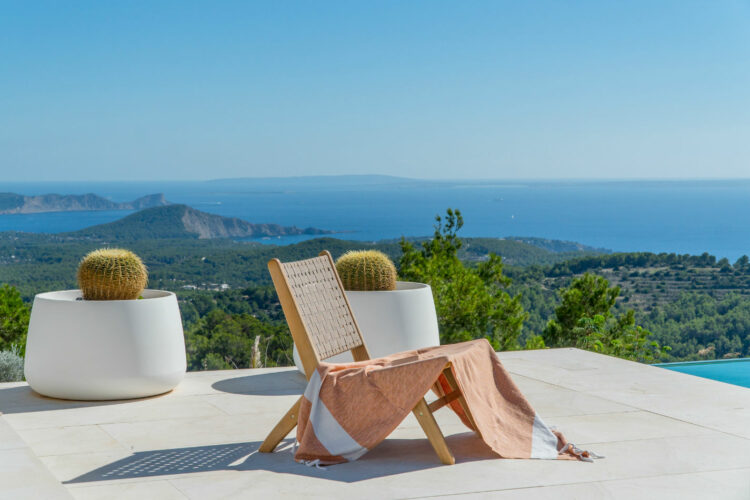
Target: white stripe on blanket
[(543, 441), (328, 431)]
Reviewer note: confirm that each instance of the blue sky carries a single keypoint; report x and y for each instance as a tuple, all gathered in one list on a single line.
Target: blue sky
[(155, 90)]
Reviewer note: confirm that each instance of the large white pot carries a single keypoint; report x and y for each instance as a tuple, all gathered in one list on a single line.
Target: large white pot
[(104, 349), (392, 321)]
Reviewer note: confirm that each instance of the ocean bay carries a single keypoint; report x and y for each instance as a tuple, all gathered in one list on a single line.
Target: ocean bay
[(657, 216)]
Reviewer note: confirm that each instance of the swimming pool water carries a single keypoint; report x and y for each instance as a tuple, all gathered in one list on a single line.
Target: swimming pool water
[(731, 371)]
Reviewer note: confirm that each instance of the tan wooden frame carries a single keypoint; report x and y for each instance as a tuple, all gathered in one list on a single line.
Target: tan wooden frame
[(308, 353)]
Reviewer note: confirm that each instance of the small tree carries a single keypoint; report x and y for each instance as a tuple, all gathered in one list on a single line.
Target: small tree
[(585, 319), (471, 302), (742, 262), (588, 296)]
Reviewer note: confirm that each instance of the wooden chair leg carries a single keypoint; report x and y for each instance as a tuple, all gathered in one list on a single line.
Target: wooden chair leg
[(284, 427), (461, 400), (431, 429)]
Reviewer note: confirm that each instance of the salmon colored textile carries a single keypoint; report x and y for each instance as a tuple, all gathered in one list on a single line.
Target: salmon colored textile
[(348, 408)]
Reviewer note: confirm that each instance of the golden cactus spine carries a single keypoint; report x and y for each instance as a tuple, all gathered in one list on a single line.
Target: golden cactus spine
[(366, 270), (111, 274)]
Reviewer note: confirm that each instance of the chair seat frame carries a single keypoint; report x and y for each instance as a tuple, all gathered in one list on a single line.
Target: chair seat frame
[(295, 292)]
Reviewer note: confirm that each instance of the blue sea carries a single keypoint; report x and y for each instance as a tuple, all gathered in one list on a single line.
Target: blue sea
[(657, 216)]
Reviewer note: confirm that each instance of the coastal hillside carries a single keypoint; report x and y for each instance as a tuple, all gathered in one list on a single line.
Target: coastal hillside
[(12, 203), (526, 251), (181, 221), (558, 246), (36, 263), (696, 304)]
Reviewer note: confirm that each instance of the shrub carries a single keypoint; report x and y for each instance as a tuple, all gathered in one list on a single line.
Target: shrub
[(11, 366)]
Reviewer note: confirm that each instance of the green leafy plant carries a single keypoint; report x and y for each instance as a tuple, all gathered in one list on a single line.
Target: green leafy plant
[(535, 342), (222, 341), (471, 302), (112, 274), (14, 319), (366, 270), (585, 319)]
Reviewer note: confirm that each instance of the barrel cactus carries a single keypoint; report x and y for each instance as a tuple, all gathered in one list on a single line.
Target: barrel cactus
[(112, 274), (365, 270)]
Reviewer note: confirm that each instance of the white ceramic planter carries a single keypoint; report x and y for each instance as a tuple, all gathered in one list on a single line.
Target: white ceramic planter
[(392, 321), (104, 349)]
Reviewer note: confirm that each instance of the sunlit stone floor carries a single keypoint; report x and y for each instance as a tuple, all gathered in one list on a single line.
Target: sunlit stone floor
[(665, 435)]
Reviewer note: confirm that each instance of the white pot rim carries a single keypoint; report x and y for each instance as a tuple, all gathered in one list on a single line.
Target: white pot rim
[(72, 296), (401, 287)]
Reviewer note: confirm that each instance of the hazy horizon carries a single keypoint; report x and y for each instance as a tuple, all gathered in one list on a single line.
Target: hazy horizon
[(457, 180)]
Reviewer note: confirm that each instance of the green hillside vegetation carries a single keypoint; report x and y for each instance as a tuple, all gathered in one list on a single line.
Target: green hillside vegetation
[(696, 305), (34, 263), (521, 253), (559, 246), (154, 223)]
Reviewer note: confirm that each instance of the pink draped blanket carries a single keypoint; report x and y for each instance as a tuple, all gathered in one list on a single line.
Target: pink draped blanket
[(348, 408)]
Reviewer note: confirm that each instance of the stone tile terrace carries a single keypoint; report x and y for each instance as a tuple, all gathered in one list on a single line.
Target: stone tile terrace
[(665, 435)]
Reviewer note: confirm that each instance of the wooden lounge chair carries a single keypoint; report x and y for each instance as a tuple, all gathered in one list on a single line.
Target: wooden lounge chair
[(322, 325)]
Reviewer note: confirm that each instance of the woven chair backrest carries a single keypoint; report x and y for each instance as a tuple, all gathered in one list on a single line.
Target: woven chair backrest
[(322, 305)]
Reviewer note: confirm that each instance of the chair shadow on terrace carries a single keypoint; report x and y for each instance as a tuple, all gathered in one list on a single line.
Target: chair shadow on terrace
[(392, 456), (279, 383)]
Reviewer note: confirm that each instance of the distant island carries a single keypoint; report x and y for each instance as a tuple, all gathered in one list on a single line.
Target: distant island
[(12, 203), (182, 221)]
